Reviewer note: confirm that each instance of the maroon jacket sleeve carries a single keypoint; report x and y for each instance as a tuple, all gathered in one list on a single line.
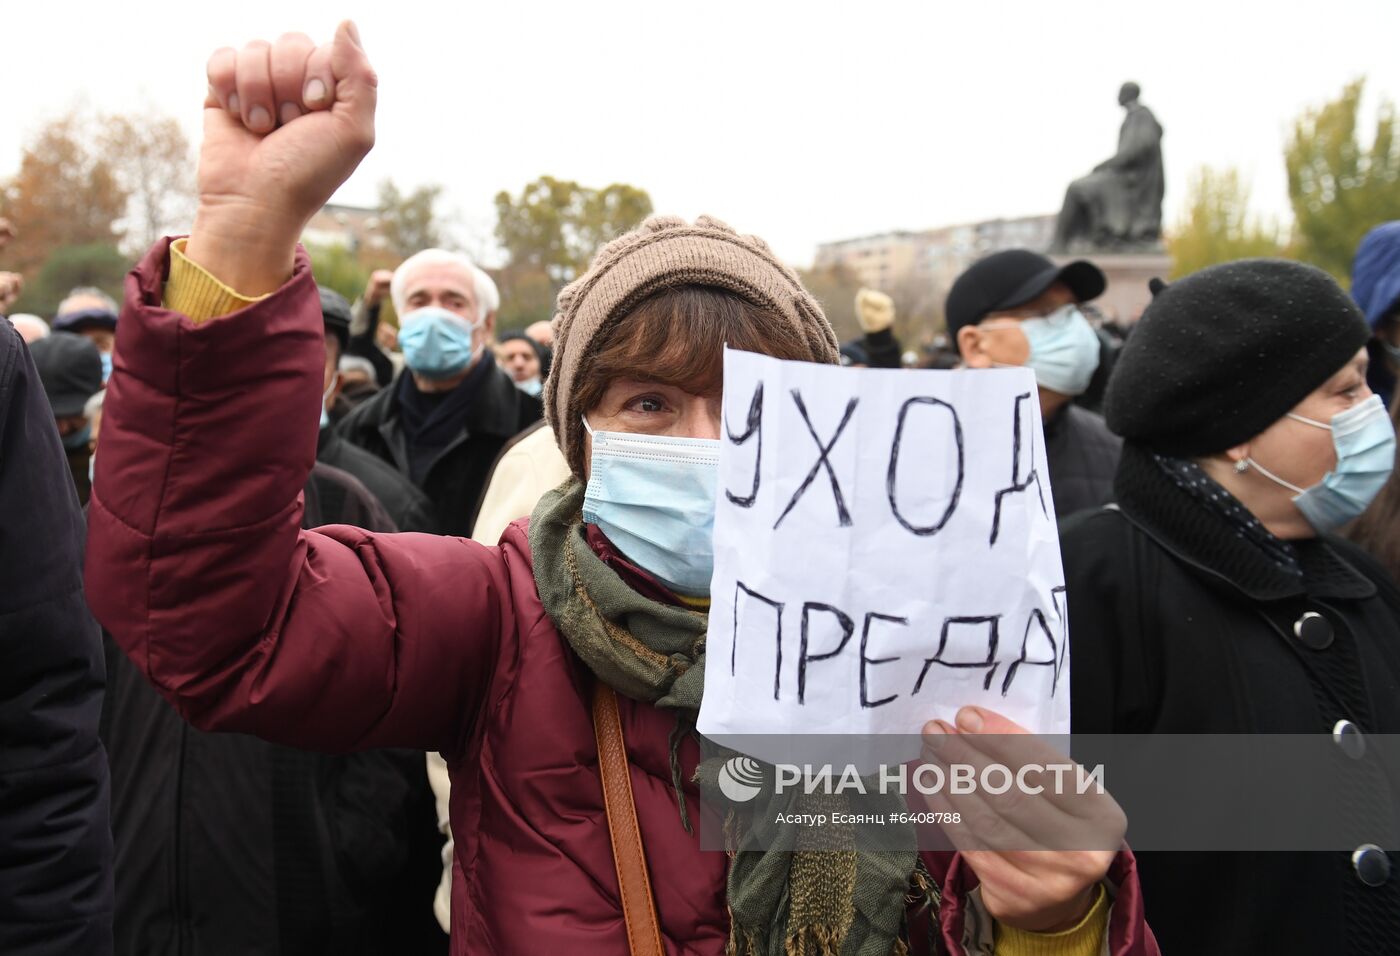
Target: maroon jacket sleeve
[(1128, 932), (333, 639)]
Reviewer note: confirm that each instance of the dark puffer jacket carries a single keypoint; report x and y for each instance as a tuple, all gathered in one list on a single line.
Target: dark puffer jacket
[(1082, 455), (55, 840)]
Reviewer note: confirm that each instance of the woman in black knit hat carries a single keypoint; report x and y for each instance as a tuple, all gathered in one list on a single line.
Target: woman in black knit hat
[(1212, 597)]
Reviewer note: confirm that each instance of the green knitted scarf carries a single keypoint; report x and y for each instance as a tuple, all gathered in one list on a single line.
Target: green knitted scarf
[(813, 891)]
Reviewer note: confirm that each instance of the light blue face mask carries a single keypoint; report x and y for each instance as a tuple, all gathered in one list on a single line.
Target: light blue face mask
[(1365, 443), (531, 386), (1064, 349), (654, 498), (436, 343), (106, 366)]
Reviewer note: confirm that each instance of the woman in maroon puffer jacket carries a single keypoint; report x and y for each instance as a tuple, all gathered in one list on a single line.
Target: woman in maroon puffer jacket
[(342, 639)]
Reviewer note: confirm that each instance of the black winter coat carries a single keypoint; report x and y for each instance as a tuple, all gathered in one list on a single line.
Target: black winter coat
[(1180, 624), (1083, 456), (456, 479), (408, 508), (55, 839), (226, 844)]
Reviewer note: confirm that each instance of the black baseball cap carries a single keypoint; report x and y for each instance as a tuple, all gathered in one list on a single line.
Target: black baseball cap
[(71, 369), (1004, 280), (335, 312)]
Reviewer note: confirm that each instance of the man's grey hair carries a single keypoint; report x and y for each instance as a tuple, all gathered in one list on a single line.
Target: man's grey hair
[(488, 299), (357, 363), (35, 327), (86, 291), (93, 407)]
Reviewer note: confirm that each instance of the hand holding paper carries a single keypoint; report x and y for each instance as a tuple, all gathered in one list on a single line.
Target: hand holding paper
[(1042, 890), (885, 553)]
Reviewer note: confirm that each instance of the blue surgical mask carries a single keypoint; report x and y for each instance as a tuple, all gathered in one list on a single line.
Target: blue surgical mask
[(78, 439), (1064, 350), (106, 366), (436, 343), (1365, 443), (654, 498), (531, 386)]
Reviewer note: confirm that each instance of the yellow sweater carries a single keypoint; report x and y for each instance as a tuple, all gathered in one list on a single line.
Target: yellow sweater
[(192, 291)]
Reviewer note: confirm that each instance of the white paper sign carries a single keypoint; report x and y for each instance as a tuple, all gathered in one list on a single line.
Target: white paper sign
[(885, 553)]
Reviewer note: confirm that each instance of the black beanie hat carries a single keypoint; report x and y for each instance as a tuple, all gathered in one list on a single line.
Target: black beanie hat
[(1224, 353)]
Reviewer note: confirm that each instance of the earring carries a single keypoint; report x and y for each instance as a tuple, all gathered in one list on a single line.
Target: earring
[(1242, 466)]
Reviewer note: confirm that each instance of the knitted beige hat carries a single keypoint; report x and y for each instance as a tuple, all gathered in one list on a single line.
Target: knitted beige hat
[(661, 253)]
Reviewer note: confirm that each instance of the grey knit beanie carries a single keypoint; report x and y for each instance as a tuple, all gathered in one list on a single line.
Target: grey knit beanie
[(662, 253)]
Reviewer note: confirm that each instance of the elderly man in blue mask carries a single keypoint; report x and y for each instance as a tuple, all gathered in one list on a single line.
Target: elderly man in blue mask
[(1017, 308), (450, 413), (1375, 285)]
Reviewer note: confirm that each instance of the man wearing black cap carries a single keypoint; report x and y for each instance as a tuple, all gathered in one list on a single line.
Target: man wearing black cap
[(406, 505), (1017, 308), (71, 369)]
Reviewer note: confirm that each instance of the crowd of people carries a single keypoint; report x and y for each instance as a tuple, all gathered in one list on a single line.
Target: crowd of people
[(243, 711)]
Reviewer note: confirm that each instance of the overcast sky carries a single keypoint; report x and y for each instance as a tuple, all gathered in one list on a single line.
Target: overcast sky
[(801, 122)]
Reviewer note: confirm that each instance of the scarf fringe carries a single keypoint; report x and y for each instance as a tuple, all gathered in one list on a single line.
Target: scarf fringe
[(741, 942), (685, 724), (819, 939)]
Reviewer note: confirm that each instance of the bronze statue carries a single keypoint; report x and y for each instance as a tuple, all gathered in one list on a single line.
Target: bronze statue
[(1118, 207)]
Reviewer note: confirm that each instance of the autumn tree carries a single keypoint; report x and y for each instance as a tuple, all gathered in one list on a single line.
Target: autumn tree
[(410, 222), (527, 295), (152, 161), (1339, 188), (66, 193), (918, 305), (337, 267), (555, 226), (835, 288), (95, 264), (1217, 225)]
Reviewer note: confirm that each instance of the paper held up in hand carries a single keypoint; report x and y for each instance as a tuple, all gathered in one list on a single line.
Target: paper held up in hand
[(885, 553)]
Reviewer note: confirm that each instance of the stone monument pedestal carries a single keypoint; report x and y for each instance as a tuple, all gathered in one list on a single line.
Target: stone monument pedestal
[(1127, 274)]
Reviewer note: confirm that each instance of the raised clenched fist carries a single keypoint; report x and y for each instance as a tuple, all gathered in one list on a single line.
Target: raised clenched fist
[(378, 287), (285, 123)]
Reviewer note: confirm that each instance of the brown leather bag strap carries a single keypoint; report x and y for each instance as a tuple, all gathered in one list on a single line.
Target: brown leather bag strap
[(638, 908)]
